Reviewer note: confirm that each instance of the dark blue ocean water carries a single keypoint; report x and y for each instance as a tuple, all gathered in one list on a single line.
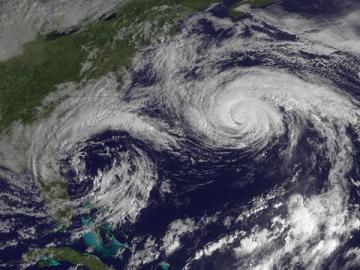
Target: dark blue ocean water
[(204, 180)]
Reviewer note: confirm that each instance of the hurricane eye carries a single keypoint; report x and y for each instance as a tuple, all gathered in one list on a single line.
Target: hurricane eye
[(168, 134)]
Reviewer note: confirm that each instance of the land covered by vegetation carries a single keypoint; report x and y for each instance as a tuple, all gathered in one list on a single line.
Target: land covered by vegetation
[(90, 52), (54, 256)]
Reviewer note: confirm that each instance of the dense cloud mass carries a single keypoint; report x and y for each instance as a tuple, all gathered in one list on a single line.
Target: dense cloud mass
[(233, 146)]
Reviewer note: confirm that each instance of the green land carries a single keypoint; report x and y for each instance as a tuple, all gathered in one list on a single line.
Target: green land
[(52, 256), (108, 45), (52, 59), (57, 200), (106, 245)]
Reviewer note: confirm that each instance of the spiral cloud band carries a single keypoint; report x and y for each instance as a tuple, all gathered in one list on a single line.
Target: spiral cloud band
[(254, 134), (255, 96)]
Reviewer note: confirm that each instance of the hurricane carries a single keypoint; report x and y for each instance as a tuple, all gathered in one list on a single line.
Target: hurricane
[(234, 145)]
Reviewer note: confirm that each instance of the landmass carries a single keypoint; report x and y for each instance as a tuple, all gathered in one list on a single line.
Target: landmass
[(79, 56), (54, 256)]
